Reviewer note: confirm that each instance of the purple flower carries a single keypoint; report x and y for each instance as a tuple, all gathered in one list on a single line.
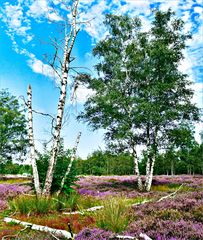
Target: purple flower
[(93, 234)]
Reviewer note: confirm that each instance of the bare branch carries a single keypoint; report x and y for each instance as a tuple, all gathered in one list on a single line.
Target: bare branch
[(44, 114)]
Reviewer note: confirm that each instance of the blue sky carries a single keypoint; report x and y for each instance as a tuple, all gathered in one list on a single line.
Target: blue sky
[(25, 29)]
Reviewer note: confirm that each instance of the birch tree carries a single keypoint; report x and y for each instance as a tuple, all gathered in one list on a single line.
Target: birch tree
[(69, 43), (140, 94), (62, 73), (32, 143)]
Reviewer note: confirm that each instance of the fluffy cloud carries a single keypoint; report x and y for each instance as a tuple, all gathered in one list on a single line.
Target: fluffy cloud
[(41, 9), (38, 66), (16, 22), (82, 94)]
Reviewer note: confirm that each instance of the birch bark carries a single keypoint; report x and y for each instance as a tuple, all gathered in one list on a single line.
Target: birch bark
[(152, 162), (69, 43), (31, 142), (148, 158), (136, 169)]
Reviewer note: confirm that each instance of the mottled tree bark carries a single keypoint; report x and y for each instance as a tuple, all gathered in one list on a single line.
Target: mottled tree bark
[(136, 170), (148, 158), (31, 142), (68, 46), (152, 160)]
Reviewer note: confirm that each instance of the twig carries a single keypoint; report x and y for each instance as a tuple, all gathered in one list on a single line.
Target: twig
[(69, 227), (16, 235), (44, 114)]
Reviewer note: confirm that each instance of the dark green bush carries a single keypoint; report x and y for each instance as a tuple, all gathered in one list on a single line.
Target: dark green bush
[(60, 169)]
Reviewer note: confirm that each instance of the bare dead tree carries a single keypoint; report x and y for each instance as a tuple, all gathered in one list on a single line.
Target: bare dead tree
[(61, 68), (67, 50), (32, 143)]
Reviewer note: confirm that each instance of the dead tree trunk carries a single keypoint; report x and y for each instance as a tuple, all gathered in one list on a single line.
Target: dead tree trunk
[(73, 156), (68, 46), (31, 142)]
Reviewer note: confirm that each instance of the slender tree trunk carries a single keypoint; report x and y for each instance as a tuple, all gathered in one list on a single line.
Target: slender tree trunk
[(31, 142), (149, 160), (69, 42), (150, 176), (73, 156), (136, 170), (149, 182), (172, 167)]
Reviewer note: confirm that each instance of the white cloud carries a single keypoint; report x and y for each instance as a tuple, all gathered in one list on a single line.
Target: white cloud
[(198, 94), (82, 94), (38, 66), (41, 8), (13, 17), (95, 28)]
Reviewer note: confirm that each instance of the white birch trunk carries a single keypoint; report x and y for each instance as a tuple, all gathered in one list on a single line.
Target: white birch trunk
[(150, 177), (31, 142), (148, 159), (137, 172), (69, 42), (73, 156)]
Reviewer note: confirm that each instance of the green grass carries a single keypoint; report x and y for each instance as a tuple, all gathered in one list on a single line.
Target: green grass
[(114, 216), (169, 188)]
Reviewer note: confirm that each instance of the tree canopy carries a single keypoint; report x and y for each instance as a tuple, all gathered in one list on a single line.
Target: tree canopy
[(140, 94), (13, 140)]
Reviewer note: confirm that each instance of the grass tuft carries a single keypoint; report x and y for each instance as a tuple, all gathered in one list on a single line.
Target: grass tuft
[(114, 215)]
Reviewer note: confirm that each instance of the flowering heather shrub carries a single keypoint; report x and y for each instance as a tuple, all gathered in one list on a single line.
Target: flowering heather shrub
[(12, 190), (9, 191), (93, 234), (167, 229), (102, 186), (177, 218)]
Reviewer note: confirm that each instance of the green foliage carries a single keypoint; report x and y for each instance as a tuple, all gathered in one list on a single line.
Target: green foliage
[(13, 131), (14, 168), (106, 163), (63, 160), (141, 96), (26, 204), (32, 205), (21, 204), (114, 215)]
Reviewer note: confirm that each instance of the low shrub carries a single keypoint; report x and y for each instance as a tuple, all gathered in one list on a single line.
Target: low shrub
[(169, 214), (198, 213), (93, 234)]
